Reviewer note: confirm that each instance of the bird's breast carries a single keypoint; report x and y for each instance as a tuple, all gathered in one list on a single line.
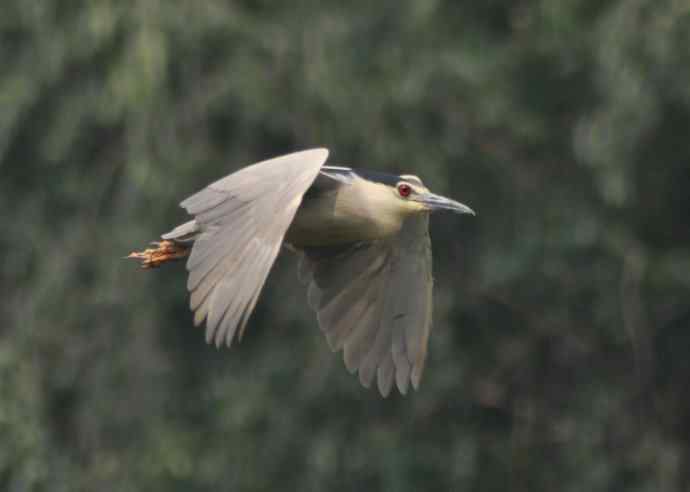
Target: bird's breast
[(333, 219)]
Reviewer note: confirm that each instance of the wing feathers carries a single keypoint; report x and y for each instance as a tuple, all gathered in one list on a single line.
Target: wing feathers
[(242, 220), (374, 301), (206, 199), (386, 372), (339, 319)]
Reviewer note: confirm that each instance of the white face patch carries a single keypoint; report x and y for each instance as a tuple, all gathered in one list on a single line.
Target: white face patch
[(412, 179)]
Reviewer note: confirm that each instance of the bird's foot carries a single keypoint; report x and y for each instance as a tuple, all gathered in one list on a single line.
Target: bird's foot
[(163, 252)]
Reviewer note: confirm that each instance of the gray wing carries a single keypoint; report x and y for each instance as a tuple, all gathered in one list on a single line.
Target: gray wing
[(242, 220), (373, 300)]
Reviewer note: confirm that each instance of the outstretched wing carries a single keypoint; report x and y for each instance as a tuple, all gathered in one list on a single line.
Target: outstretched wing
[(243, 219), (373, 300)]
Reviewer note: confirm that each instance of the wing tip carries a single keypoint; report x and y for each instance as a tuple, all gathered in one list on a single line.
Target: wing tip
[(416, 376), (322, 152), (317, 154)]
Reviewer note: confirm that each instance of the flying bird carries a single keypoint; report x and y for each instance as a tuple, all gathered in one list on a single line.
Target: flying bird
[(363, 239)]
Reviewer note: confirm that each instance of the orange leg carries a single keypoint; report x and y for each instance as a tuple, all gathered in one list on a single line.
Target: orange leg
[(163, 252)]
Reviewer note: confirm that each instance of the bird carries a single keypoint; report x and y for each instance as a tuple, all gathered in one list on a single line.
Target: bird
[(364, 247)]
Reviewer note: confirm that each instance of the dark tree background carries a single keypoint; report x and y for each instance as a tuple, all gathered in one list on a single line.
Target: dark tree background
[(559, 358)]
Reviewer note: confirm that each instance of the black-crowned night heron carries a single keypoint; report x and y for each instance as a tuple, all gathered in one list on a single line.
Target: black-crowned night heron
[(365, 253)]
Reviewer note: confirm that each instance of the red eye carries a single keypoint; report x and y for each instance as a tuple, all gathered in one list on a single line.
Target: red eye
[(404, 189)]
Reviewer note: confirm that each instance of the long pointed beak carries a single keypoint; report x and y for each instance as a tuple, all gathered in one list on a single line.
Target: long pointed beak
[(438, 202)]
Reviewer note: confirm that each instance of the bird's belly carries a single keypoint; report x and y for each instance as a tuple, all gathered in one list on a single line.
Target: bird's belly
[(319, 224)]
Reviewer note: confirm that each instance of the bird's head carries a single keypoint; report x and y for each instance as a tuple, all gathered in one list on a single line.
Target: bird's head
[(414, 197)]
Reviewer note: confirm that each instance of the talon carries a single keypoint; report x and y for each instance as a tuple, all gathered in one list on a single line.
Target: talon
[(163, 252)]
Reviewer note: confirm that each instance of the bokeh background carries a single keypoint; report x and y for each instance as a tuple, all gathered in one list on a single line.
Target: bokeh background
[(560, 355)]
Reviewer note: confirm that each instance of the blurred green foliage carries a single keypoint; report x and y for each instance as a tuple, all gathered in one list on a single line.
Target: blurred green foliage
[(559, 358)]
